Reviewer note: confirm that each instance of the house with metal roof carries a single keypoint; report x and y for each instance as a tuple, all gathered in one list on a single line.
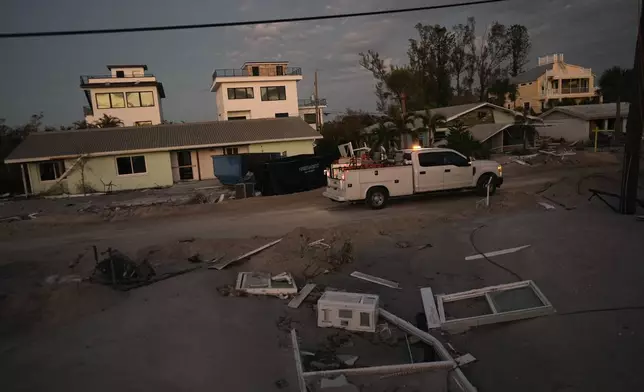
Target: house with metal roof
[(125, 158), (579, 122), (552, 80)]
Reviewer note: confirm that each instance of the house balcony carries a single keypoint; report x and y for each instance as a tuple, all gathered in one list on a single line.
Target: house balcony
[(562, 74), (103, 79), (237, 72), (568, 92), (305, 103), (88, 111)]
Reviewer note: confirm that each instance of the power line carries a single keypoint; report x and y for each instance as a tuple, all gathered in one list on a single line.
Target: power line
[(243, 23)]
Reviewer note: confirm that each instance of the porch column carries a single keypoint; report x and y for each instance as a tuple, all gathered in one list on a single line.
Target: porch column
[(605, 124), (24, 179)]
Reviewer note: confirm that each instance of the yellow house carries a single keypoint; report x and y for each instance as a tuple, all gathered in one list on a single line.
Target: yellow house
[(125, 158), (552, 80)]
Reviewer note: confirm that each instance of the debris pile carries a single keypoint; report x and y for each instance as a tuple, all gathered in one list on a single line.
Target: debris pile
[(118, 270)]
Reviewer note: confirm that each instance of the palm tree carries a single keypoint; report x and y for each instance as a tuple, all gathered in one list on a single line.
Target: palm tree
[(82, 124), (108, 121), (431, 121), (384, 135)]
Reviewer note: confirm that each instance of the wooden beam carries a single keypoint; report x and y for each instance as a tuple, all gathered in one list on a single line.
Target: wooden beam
[(65, 174), (386, 369), (298, 362), (301, 296), (433, 320), (223, 264)]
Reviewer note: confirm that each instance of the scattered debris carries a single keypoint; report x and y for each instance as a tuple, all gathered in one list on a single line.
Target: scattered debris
[(431, 313), (191, 239), (261, 283), (506, 302), (351, 311), (337, 382), (520, 162), (402, 244), (375, 279), (547, 206), (427, 245), (223, 264), (320, 242), (281, 383), (496, 253), (301, 296), (230, 291), (348, 360), (221, 198), (57, 279), (465, 359), (640, 218), (19, 217), (5, 195)]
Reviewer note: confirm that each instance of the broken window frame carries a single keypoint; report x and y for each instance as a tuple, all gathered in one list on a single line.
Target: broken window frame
[(460, 324)]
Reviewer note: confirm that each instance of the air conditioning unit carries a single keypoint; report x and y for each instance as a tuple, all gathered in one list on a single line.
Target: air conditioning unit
[(244, 190), (351, 311)]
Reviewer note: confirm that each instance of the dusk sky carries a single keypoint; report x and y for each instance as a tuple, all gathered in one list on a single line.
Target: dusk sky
[(42, 74)]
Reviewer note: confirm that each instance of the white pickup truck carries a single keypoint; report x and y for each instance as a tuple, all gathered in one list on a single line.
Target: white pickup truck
[(426, 170)]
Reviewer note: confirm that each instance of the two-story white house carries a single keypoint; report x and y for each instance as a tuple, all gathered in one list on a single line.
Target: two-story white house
[(256, 90), (307, 108), (128, 93)]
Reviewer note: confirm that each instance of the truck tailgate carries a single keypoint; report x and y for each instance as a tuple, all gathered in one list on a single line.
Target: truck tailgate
[(335, 189)]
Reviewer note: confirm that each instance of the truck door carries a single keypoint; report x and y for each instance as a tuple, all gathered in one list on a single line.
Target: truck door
[(428, 175), (457, 171)]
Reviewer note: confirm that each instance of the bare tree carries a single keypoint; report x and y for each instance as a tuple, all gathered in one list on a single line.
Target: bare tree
[(493, 54), (520, 45), (463, 36)]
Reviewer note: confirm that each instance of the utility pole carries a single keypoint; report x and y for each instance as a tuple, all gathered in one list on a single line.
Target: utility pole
[(317, 103), (403, 113), (631, 164)]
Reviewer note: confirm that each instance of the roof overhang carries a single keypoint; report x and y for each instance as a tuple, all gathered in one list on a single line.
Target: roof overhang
[(161, 149), (145, 67), (158, 85)]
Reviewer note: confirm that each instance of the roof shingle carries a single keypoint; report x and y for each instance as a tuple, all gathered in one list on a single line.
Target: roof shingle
[(590, 112), (114, 141)]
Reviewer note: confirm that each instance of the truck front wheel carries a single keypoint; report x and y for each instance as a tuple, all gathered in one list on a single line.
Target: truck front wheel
[(377, 198), (482, 184)]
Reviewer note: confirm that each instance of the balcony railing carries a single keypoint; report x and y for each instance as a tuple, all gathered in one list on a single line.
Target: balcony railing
[(310, 102), (567, 90), (288, 71), (86, 78)]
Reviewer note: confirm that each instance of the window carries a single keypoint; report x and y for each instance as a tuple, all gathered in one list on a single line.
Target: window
[(140, 99), (325, 314), (526, 106), (365, 320), (310, 118), (237, 118), (277, 93), (255, 71), (110, 100), (281, 115), (455, 159), (279, 70), (345, 313), (49, 171), (130, 165), (429, 159), (231, 151), (241, 93), (142, 123), (120, 74)]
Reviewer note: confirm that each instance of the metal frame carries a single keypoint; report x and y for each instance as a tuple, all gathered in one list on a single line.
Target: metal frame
[(459, 325)]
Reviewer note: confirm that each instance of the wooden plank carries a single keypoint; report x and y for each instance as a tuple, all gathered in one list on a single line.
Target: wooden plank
[(64, 175), (223, 264), (375, 279), (496, 253), (441, 308), (431, 313), (491, 303), (298, 362), (301, 296), (465, 359), (385, 369)]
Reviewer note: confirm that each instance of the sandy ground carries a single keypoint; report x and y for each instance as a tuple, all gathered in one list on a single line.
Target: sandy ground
[(182, 334)]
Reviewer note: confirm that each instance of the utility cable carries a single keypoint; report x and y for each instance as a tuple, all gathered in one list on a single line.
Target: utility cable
[(244, 23), (519, 278)]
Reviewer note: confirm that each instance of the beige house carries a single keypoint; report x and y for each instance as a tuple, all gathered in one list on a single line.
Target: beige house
[(256, 90), (552, 80), (579, 122), (124, 158), (128, 92), (307, 111)]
